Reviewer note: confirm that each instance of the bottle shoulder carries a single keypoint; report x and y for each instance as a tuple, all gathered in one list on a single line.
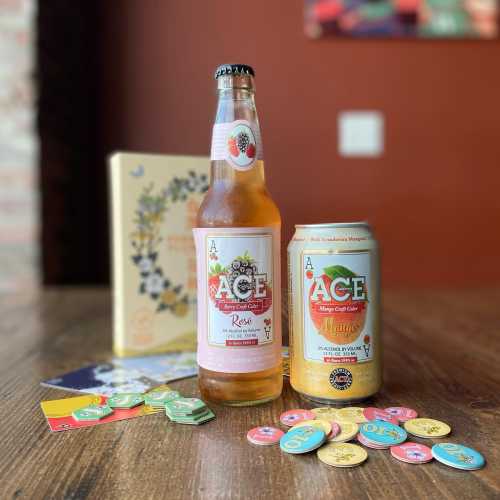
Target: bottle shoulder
[(238, 206)]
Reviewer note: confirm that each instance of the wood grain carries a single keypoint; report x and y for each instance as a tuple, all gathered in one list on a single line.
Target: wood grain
[(441, 358)]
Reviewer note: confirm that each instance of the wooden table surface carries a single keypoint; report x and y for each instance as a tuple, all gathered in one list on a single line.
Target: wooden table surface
[(442, 352)]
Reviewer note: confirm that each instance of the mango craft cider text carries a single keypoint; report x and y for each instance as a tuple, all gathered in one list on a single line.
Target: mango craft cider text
[(334, 303), (237, 240)]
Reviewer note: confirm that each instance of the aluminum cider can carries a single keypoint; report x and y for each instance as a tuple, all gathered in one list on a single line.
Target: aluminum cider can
[(334, 312)]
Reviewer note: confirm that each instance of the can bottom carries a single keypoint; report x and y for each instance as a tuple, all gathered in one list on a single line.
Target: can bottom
[(334, 402)]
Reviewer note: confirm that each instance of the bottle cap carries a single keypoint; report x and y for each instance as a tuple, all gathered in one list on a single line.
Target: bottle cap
[(233, 69), (235, 76)]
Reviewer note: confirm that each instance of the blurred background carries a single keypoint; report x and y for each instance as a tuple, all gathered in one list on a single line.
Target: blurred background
[(397, 128)]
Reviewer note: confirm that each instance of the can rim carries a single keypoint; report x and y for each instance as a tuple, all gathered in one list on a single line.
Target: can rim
[(326, 225)]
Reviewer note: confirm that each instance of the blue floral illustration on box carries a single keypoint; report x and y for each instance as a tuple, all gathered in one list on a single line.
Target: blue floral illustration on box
[(145, 240)]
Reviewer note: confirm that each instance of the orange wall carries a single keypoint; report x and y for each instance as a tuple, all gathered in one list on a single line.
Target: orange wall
[(433, 198)]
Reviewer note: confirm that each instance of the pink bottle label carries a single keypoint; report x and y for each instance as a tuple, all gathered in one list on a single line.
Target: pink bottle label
[(239, 313)]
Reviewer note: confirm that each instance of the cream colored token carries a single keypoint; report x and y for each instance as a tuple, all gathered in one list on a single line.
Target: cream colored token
[(342, 454), (351, 414), (348, 431), (326, 413), (427, 428), (321, 424)]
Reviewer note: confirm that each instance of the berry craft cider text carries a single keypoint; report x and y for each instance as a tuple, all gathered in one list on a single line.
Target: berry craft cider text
[(334, 302), (237, 240)]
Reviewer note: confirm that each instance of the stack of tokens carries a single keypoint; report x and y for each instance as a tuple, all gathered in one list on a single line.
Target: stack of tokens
[(191, 411), (328, 431), (381, 435)]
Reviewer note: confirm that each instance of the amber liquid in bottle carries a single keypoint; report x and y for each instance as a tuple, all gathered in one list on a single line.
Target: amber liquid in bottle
[(238, 199)]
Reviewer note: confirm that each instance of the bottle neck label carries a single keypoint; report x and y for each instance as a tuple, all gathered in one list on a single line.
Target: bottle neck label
[(238, 142)]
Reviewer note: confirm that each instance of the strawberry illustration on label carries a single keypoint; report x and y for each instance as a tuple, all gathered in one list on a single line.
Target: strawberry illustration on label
[(233, 146), (214, 279), (240, 287), (337, 304)]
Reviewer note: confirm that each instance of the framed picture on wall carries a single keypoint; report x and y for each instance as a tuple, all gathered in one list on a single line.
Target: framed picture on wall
[(402, 18)]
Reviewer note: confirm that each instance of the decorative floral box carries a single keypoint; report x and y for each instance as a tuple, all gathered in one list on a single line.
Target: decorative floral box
[(154, 202)]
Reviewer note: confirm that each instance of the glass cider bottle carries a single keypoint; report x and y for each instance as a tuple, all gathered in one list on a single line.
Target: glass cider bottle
[(237, 240)]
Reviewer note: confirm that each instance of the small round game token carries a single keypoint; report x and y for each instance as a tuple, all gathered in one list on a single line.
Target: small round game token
[(125, 400), (378, 414), (326, 413), (412, 453), (319, 423), (265, 435), (342, 454), (427, 428), (382, 433), (351, 414), (348, 431), (292, 417), (93, 412), (401, 413), (366, 443), (458, 456), (302, 439)]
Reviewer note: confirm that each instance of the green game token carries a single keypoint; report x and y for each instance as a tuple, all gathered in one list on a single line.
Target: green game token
[(92, 412), (160, 398), (201, 419), (187, 417), (185, 406), (125, 400)]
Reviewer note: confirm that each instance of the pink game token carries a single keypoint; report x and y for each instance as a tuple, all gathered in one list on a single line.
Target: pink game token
[(378, 414), (401, 413), (335, 430), (412, 453), (292, 417), (369, 444), (264, 435)]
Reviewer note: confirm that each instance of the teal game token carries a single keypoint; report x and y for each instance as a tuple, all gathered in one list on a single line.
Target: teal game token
[(384, 433), (302, 439), (125, 400), (158, 399), (458, 456), (93, 412)]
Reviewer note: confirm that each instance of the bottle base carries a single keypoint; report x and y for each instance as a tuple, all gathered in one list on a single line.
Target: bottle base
[(241, 389), (334, 402), (236, 404)]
